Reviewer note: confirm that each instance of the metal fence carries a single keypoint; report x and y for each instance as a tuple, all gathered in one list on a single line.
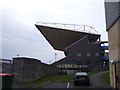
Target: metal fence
[(76, 27)]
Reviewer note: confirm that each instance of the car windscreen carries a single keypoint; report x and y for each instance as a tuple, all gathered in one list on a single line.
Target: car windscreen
[(81, 77)]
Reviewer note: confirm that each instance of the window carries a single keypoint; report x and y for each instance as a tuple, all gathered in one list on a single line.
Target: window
[(79, 54), (68, 65), (69, 54), (88, 54), (65, 65), (71, 66), (96, 54)]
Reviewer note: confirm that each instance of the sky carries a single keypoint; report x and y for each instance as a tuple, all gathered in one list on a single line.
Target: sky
[(19, 36)]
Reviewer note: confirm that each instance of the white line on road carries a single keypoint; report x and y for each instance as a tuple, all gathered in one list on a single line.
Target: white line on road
[(92, 84), (68, 85)]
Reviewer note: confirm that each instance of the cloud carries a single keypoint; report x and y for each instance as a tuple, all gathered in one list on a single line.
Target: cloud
[(20, 36)]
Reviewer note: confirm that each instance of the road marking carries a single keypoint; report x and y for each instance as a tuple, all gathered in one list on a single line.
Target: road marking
[(92, 84), (68, 85)]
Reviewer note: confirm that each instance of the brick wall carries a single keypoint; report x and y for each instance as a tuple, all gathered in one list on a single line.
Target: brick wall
[(48, 70), (114, 49)]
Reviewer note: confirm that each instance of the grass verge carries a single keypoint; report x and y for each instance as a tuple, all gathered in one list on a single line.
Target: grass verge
[(94, 72), (106, 78), (44, 80)]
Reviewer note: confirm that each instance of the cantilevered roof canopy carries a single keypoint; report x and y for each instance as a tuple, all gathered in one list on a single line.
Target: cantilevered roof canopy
[(62, 38)]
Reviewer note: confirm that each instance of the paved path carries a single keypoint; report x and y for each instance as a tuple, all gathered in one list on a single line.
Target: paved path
[(96, 80)]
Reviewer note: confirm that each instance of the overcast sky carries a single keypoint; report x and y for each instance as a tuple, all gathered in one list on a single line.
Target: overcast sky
[(20, 36)]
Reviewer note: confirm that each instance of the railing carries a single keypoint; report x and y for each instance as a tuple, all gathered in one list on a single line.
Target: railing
[(76, 27), (105, 57), (105, 47), (71, 66)]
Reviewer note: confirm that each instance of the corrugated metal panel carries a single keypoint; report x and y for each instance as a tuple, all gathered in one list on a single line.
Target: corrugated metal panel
[(105, 58), (104, 47), (112, 11)]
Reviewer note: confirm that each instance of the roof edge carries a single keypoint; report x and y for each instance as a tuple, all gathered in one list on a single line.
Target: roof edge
[(113, 23), (67, 30)]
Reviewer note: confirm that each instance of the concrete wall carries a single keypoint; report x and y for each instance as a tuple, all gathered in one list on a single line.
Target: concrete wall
[(7, 68), (48, 70), (0, 67), (28, 69), (114, 49)]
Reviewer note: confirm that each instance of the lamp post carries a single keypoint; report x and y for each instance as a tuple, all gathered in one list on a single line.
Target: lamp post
[(18, 55), (115, 69), (55, 57)]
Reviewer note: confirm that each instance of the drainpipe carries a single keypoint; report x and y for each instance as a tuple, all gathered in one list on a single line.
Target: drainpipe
[(115, 69), (115, 76), (113, 62)]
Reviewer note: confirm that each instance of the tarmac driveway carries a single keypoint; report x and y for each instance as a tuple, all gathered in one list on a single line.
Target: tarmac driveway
[(63, 85)]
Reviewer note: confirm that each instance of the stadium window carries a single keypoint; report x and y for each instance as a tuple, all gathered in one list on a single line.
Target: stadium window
[(88, 54), (68, 65), (79, 54), (58, 66), (69, 54), (96, 54)]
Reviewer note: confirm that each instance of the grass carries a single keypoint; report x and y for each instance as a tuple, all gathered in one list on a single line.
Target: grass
[(44, 80), (106, 78), (94, 72)]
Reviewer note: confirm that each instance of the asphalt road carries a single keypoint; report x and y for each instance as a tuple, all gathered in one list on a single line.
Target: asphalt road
[(63, 85)]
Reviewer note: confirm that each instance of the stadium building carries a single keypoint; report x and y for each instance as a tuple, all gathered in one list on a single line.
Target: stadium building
[(82, 49)]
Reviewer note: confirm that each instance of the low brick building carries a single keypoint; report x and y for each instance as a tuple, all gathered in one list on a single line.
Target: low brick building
[(27, 69), (30, 69)]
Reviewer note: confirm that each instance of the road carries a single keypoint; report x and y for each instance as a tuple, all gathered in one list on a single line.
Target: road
[(63, 85), (95, 81)]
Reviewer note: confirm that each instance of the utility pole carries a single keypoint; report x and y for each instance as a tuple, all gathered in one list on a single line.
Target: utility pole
[(18, 55)]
